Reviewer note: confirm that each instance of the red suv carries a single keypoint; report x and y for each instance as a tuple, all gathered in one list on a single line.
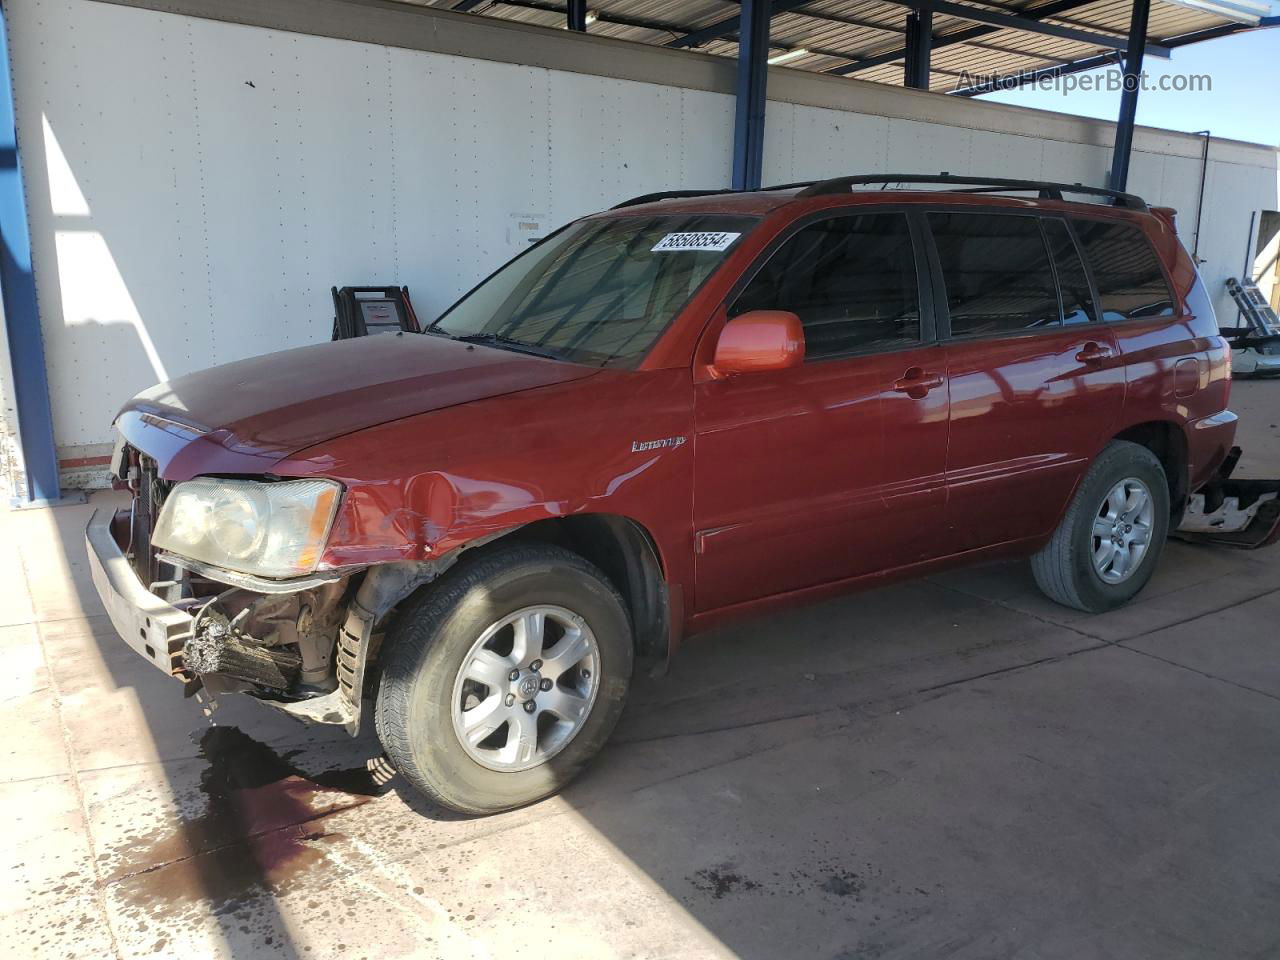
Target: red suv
[(690, 407)]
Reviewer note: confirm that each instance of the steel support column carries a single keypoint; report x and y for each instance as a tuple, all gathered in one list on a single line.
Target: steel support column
[(753, 69), (1129, 97), (576, 11), (21, 318), (919, 46)]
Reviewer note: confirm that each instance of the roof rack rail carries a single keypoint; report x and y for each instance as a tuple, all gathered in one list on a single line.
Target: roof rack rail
[(668, 195), (1048, 190)]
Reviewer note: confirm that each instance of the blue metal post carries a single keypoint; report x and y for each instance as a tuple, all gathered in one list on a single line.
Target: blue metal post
[(1137, 45), (753, 68), (22, 319), (576, 15)]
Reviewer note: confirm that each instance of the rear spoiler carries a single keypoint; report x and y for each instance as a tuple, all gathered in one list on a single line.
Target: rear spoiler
[(1168, 215)]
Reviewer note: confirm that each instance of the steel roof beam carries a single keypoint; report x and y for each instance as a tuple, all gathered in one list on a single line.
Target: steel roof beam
[(1031, 21), (1122, 150), (950, 39), (664, 26), (1225, 30), (642, 23), (730, 25), (915, 71), (1027, 24), (753, 73), (847, 20), (1016, 80)]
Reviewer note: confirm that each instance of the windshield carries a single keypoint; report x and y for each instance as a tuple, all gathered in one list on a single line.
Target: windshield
[(598, 292)]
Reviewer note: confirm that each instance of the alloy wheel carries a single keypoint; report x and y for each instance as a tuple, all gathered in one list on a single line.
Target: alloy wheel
[(1122, 530), (525, 688)]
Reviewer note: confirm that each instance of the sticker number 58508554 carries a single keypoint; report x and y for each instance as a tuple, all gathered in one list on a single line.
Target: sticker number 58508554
[(706, 240)]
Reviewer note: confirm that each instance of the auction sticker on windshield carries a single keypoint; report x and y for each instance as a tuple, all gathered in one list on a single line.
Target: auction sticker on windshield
[(708, 240)]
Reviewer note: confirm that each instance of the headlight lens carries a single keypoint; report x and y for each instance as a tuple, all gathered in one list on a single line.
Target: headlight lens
[(266, 529)]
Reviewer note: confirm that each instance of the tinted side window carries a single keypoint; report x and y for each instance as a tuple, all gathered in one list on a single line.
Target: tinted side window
[(851, 280), (996, 271), (1125, 269), (1077, 302)]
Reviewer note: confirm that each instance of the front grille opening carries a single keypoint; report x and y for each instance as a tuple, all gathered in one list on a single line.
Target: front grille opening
[(144, 483)]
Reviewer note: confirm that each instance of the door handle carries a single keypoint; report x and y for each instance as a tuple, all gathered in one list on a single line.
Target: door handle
[(917, 382), (1094, 353)]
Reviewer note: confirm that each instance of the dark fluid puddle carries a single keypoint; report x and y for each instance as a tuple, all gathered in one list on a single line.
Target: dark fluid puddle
[(261, 830)]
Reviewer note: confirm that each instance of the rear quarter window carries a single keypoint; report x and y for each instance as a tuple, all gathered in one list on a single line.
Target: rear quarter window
[(1126, 271)]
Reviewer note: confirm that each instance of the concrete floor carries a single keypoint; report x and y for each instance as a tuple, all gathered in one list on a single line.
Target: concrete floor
[(954, 767)]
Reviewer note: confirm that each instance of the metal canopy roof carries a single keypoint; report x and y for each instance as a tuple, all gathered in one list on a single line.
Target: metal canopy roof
[(867, 38)]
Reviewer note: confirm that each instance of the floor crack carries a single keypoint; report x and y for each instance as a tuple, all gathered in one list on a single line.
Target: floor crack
[(1200, 616), (1199, 672)]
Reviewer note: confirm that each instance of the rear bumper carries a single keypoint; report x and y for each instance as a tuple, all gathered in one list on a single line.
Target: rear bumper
[(1235, 513), (1253, 361), (152, 628)]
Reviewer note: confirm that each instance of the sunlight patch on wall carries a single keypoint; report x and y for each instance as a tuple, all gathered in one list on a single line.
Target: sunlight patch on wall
[(93, 291), (65, 196)]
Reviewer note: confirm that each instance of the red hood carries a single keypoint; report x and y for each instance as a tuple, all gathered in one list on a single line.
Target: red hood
[(259, 410)]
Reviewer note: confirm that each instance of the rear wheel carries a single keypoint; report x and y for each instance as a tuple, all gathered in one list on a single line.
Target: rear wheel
[(1108, 543), (504, 678)]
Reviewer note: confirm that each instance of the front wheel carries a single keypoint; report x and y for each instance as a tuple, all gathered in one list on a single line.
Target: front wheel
[(503, 678), (1108, 543)]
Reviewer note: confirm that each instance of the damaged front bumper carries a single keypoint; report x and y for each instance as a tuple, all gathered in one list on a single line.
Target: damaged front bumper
[(159, 631), (154, 629), (1234, 513)]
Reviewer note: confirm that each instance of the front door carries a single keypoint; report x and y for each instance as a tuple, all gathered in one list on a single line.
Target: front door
[(808, 476), (1037, 385)]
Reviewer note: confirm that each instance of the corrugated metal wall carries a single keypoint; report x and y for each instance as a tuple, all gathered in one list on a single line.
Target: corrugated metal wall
[(195, 187)]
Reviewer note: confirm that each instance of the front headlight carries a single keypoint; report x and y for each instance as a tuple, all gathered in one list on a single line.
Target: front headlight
[(266, 529)]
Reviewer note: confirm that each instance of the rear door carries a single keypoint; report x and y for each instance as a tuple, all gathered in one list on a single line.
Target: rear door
[(1135, 299), (1036, 382), (792, 474)]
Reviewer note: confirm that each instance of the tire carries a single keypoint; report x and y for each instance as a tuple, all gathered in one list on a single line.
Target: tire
[(442, 630), (1066, 568)]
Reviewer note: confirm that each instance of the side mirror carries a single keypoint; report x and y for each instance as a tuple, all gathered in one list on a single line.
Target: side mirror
[(759, 340)]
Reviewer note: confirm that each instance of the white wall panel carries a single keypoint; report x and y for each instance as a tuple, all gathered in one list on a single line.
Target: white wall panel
[(779, 143), (195, 187), (1005, 155), (833, 143), (706, 124), (1180, 189), (1075, 162), (915, 146), (608, 140)]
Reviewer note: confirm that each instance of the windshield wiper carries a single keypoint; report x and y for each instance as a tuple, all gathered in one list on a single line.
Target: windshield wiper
[(498, 340)]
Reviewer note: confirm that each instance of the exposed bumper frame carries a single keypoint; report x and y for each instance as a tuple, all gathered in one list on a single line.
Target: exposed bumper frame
[(157, 630), (154, 629), (1233, 513)]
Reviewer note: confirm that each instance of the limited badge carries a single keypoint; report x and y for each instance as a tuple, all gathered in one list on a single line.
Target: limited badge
[(707, 240)]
